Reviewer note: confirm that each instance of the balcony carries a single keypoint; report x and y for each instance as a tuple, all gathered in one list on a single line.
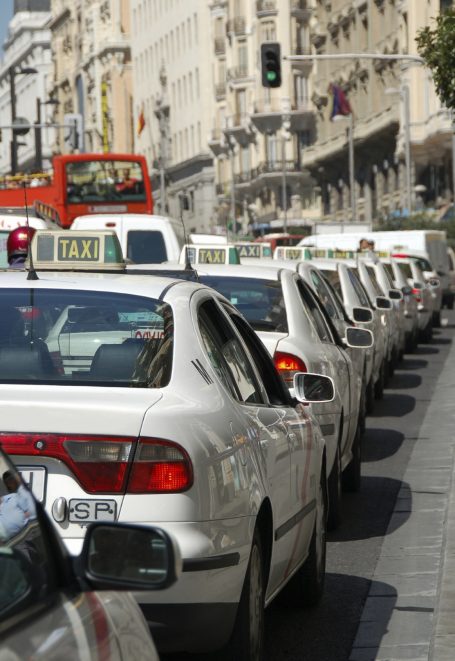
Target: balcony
[(217, 143), (240, 128), (301, 10), (237, 74), (220, 91), (271, 172), (220, 45), (242, 179), (267, 115), (300, 49), (266, 8), (236, 26), (302, 116)]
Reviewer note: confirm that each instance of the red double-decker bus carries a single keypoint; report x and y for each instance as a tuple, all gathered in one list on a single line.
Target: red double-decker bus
[(82, 184)]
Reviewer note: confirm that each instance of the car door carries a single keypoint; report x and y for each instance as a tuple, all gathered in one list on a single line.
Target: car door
[(306, 446), (38, 620), (254, 419)]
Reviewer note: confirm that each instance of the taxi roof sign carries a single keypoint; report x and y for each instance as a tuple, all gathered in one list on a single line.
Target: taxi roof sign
[(76, 251), (254, 250), (292, 252), (210, 254), (332, 253)]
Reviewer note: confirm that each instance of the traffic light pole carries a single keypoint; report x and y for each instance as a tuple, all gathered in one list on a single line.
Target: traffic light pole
[(38, 141), (13, 143)]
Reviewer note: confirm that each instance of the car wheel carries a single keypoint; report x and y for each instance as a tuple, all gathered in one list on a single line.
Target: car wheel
[(370, 396), (307, 586), (352, 473), (334, 493), (247, 640), (379, 385), (437, 319), (427, 333)]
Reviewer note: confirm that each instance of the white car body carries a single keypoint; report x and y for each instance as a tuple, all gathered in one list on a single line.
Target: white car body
[(249, 465), (144, 238)]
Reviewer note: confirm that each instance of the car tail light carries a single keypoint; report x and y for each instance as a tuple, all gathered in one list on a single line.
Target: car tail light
[(417, 293), (288, 365), (160, 467), (99, 463)]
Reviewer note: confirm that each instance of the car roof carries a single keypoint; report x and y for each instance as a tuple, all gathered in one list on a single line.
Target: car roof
[(135, 285), (265, 272)]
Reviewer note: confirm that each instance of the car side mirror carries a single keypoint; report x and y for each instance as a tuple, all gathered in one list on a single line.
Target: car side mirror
[(313, 388), (434, 282), (395, 295), (383, 303), (407, 290), (128, 557), (358, 338), (362, 315)]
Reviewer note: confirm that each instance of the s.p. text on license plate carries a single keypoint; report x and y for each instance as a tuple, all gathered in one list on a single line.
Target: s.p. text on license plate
[(89, 511)]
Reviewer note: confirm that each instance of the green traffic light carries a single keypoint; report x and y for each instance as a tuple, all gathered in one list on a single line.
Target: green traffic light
[(271, 76)]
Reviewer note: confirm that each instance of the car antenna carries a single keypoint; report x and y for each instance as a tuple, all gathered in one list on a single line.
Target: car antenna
[(188, 265), (32, 274)]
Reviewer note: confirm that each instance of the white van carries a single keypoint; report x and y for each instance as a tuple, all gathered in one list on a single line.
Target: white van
[(9, 222), (145, 238)]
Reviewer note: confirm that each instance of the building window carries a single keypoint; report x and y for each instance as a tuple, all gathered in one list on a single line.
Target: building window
[(301, 91), (268, 31), (272, 148)]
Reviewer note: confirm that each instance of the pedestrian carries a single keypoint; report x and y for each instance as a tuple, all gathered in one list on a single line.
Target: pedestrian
[(17, 246)]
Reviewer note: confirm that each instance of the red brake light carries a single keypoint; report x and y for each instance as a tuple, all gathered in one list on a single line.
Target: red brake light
[(160, 467), (417, 295), (288, 364), (99, 463)]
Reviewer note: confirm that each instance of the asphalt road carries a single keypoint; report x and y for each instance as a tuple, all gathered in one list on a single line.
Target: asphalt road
[(327, 632)]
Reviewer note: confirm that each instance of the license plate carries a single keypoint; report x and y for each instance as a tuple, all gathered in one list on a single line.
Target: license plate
[(88, 511), (35, 478)]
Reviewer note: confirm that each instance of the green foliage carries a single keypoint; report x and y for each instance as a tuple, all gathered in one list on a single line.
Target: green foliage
[(437, 47)]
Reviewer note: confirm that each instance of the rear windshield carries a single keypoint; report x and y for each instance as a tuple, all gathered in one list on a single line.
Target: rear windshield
[(146, 247), (423, 263), (260, 301), (84, 338)]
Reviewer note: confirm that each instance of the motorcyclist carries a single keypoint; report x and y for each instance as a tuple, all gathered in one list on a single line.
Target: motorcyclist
[(17, 246)]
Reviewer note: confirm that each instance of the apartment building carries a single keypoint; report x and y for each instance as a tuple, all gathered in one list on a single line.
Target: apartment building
[(173, 97), (92, 76), (259, 135), (392, 103), (27, 59)]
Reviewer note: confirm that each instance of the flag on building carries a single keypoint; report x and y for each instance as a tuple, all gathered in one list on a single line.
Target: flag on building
[(341, 105), (141, 121)]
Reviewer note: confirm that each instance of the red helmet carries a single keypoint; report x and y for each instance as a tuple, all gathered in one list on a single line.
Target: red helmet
[(17, 243)]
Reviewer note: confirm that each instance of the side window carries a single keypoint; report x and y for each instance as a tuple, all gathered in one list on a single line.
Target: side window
[(25, 577), (358, 288), (372, 276), (324, 296), (277, 391), (227, 355), (315, 313)]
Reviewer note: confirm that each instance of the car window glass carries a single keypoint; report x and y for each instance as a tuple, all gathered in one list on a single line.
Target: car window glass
[(389, 271), (372, 276), (423, 263), (388, 276), (359, 290), (325, 296), (260, 301), (314, 312), (25, 575), (146, 247), (334, 279), (227, 355), (405, 268), (84, 338)]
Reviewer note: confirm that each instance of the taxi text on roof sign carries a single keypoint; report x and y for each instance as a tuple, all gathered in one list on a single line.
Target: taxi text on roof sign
[(289, 252), (254, 250), (78, 251), (198, 254)]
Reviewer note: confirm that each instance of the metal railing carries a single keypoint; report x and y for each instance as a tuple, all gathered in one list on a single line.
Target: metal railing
[(237, 73), (266, 6)]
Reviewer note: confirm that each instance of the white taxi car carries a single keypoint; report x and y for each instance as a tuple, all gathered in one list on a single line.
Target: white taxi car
[(187, 426)]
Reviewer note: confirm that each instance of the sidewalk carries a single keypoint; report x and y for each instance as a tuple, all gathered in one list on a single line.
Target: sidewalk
[(409, 613)]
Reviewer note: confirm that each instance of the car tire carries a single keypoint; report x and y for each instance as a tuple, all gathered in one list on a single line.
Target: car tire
[(370, 394), (334, 493), (427, 333), (247, 640), (352, 477), (437, 319), (379, 385), (307, 585)]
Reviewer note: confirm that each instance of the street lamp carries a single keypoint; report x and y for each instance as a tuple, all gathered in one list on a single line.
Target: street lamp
[(350, 118), (13, 145), (38, 140), (404, 93)]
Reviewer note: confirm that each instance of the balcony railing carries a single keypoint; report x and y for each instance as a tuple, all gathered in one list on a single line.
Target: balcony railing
[(242, 178), (264, 106), (266, 7), (275, 167), (237, 73), (300, 49), (236, 25), (220, 46)]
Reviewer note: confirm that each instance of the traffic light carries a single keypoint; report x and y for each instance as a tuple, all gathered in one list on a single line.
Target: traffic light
[(271, 64)]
